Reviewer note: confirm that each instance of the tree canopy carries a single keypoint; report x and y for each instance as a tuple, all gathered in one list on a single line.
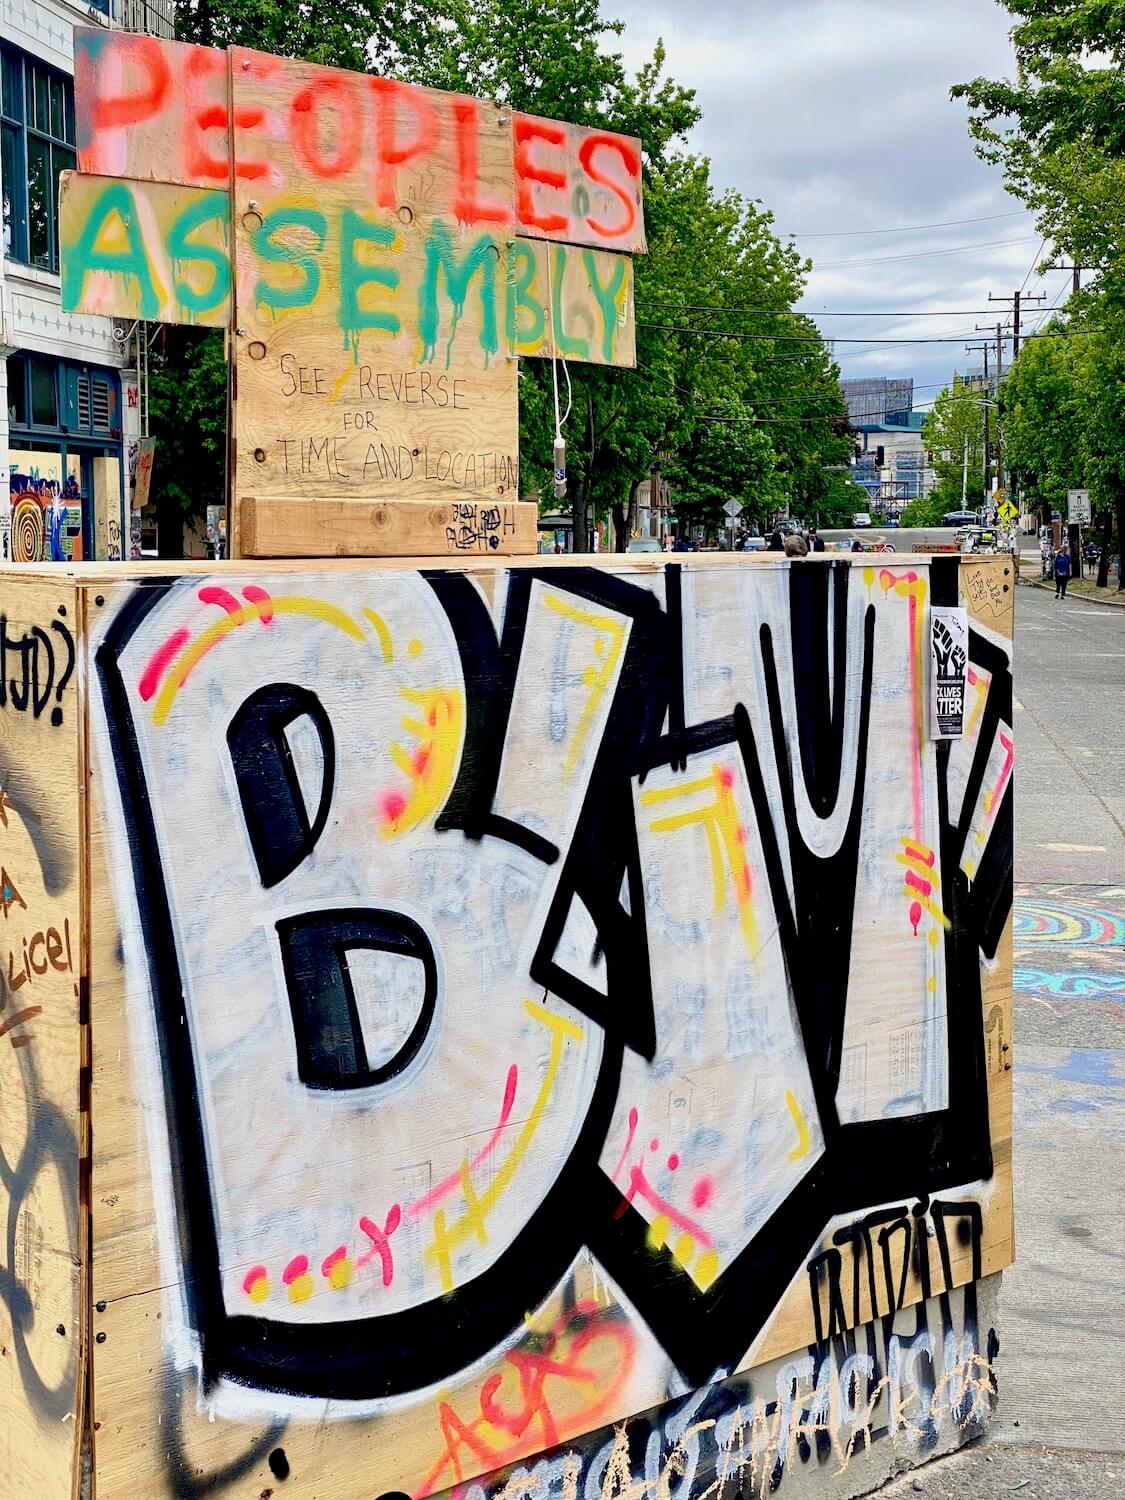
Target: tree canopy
[(1058, 131)]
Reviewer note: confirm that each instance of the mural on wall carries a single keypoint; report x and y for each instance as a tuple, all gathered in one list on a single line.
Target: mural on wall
[(46, 507), (577, 964)]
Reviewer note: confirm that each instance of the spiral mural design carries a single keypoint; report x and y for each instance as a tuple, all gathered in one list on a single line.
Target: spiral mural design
[(28, 532)]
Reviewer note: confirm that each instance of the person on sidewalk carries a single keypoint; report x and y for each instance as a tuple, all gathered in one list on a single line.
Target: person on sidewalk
[(1062, 572)]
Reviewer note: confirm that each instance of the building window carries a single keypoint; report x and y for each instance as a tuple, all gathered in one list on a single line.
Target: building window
[(36, 145), (68, 399)]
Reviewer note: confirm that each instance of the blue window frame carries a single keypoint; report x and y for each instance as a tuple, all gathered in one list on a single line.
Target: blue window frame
[(36, 144)]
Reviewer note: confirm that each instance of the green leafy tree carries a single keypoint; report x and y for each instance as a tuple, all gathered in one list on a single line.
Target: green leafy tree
[(1041, 420), (726, 458), (1058, 127), (1058, 131), (187, 414), (954, 434)]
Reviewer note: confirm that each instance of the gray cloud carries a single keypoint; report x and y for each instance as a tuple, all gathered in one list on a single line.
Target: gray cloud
[(836, 115)]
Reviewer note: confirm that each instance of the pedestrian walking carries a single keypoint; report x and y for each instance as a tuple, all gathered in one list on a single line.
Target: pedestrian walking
[(1062, 572), (816, 542), (775, 543)]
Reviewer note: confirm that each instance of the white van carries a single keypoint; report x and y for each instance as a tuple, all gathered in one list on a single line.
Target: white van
[(861, 518)]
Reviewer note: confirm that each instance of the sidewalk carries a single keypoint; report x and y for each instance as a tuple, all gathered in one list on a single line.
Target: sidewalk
[(1084, 588)]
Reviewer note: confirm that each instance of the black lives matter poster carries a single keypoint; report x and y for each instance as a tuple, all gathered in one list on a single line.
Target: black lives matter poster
[(949, 658)]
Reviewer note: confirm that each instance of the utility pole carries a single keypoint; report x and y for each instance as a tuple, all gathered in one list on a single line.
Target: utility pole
[(983, 348), (999, 374), (1016, 299), (1076, 280)]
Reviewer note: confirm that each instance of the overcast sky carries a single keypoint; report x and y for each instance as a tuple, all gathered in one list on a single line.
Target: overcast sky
[(836, 114)]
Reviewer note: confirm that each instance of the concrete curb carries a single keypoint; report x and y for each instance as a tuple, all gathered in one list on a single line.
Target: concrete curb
[(1036, 583)]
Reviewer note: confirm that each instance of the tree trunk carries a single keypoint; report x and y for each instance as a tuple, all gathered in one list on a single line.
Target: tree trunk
[(625, 518), (581, 511), (580, 517), (1107, 537), (1120, 539)]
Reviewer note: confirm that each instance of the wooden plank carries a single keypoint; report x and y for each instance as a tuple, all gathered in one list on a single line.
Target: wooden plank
[(574, 303), (310, 527), (578, 184), (151, 109), (41, 961), (148, 250), (106, 472)]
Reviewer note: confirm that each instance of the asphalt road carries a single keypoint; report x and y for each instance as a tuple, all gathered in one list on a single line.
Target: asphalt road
[(901, 539), (1060, 1426)]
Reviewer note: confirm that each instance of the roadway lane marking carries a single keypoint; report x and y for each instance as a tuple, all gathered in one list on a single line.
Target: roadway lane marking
[(1073, 848)]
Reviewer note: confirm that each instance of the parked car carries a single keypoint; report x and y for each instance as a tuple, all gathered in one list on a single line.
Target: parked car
[(754, 544), (892, 521), (790, 527), (644, 544), (960, 518), (861, 518)]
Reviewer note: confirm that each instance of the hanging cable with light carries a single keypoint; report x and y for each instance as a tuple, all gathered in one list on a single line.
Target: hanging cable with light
[(560, 441)]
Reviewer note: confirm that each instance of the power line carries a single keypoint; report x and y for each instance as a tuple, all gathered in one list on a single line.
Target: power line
[(834, 234), (882, 260), (799, 312), (802, 338)]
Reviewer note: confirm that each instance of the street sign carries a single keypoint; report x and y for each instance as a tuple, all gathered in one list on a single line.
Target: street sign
[(1078, 507), (1008, 512), (733, 508)]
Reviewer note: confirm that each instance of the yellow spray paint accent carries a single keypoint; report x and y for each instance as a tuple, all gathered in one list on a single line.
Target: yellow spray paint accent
[(596, 678), (706, 1269), (341, 1274), (383, 633), (920, 868), (301, 1288), (926, 904), (683, 1250), (313, 609), (658, 1232), (430, 769), (721, 824), (448, 1237), (804, 1140)]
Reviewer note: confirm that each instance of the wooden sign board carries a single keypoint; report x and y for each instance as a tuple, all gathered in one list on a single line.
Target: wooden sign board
[(150, 250), (384, 254), (325, 1227)]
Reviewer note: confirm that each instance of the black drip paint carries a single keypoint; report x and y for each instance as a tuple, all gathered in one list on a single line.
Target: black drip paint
[(279, 1464)]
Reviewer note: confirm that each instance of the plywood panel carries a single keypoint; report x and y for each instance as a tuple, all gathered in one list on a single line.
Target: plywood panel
[(369, 349), (324, 1217), (106, 471), (387, 528), (147, 250), (41, 1323), (578, 184), (571, 302), (151, 109)]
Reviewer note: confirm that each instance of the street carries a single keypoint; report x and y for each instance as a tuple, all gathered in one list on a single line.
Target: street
[(1059, 1424)]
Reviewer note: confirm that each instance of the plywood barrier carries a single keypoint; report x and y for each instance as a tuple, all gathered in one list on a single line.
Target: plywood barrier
[(519, 994)]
